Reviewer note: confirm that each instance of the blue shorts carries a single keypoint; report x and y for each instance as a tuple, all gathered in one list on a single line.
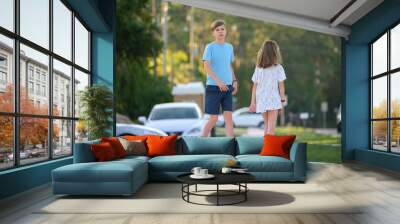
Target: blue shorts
[(215, 99)]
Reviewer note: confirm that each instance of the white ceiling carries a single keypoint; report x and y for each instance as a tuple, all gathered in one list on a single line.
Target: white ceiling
[(315, 15)]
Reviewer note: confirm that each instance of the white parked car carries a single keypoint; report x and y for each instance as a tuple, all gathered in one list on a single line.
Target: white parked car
[(137, 129), (243, 118), (176, 118)]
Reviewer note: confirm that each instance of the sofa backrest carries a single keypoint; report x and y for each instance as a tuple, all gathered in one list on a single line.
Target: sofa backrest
[(249, 145), (203, 145), (83, 152)]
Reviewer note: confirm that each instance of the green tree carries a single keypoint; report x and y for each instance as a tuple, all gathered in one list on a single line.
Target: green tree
[(137, 87)]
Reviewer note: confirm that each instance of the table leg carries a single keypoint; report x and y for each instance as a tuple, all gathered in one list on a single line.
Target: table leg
[(217, 194), (188, 190), (245, 193), (196, 188)]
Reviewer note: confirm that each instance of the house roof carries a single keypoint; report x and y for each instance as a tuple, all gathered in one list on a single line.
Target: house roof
[(326, 16)]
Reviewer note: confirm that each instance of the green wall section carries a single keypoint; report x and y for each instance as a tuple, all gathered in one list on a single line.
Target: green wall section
[(99, 15), (356, 99)]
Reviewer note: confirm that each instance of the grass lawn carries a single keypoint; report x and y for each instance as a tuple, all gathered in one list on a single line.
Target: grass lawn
[(320, 147)]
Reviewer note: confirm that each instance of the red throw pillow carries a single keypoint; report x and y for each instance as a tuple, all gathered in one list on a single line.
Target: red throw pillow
[(277, 145), (116, 145), (161, 145), (103, 151)]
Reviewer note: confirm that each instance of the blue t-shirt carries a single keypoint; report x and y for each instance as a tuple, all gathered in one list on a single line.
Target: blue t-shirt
[(220, 56)]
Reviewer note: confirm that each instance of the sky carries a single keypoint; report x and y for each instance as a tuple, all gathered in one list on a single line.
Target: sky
[(35, 27)]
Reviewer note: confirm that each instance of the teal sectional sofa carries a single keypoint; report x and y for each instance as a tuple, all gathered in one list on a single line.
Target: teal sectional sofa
[(125, 176)]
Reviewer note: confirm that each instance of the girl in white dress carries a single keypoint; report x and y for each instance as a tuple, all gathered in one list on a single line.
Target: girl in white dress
[(268, 91)]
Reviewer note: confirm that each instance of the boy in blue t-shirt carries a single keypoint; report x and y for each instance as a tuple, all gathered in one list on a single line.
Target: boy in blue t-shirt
[(221, 80)]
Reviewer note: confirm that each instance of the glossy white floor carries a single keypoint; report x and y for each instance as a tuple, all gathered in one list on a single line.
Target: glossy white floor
[(379, 190)]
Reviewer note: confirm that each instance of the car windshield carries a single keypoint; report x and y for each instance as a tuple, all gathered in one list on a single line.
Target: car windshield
[(174, 113)]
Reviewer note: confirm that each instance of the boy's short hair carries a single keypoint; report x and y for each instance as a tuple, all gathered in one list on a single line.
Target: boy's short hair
[(217, 23)]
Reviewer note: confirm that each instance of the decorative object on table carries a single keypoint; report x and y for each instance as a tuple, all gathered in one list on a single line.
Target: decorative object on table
[(231, 163), (200, 173), (96, 102), (226, 170), (203, 176), (196, 170), (236, 170), (237, 196)]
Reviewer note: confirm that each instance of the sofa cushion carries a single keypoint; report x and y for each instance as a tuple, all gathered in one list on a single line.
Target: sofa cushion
[(257, 163), (135, 147), (161, 145), (185, 163), (249, 145), (112, 171), (103, 151), (190, 145), (116, 145), (277, 145)]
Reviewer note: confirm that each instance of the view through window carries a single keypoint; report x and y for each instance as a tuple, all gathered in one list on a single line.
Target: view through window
[(385, 93), (43, 68)]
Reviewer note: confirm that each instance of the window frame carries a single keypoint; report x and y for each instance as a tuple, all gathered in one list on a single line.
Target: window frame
[(388, 74), (16, 114)]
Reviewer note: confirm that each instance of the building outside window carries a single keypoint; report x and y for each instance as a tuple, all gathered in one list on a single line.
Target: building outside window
[(3, 72), (43, 78), (385, 92), (30, 72), (37, 75), (30, 87), (60, 126), (43, 90)]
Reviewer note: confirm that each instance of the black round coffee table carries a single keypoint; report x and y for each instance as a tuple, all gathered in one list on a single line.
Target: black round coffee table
[(238, 179)]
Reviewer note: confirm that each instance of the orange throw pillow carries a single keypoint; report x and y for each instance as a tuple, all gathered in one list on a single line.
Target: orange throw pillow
[(161, 145), (103, 151), (277, 145), (136, 138), (116, 145)]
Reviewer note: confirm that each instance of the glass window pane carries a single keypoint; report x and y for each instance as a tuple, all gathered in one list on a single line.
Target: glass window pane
[(62, 29), (395, 136), (6, 74), (34, 72), (81, 45), (379, 135), (62, 138), (379, 97), (395, 94), (379, 56), (6, 142), (35, 21), (7, 14), (81, 131), (33, 140), (395, 47), (62, 89), (81, 81)]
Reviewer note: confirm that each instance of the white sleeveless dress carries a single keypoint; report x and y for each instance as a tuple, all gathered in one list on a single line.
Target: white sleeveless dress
[(267, 92)]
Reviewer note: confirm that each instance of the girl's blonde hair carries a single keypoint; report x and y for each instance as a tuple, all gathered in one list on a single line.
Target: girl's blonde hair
[(269, 54)]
